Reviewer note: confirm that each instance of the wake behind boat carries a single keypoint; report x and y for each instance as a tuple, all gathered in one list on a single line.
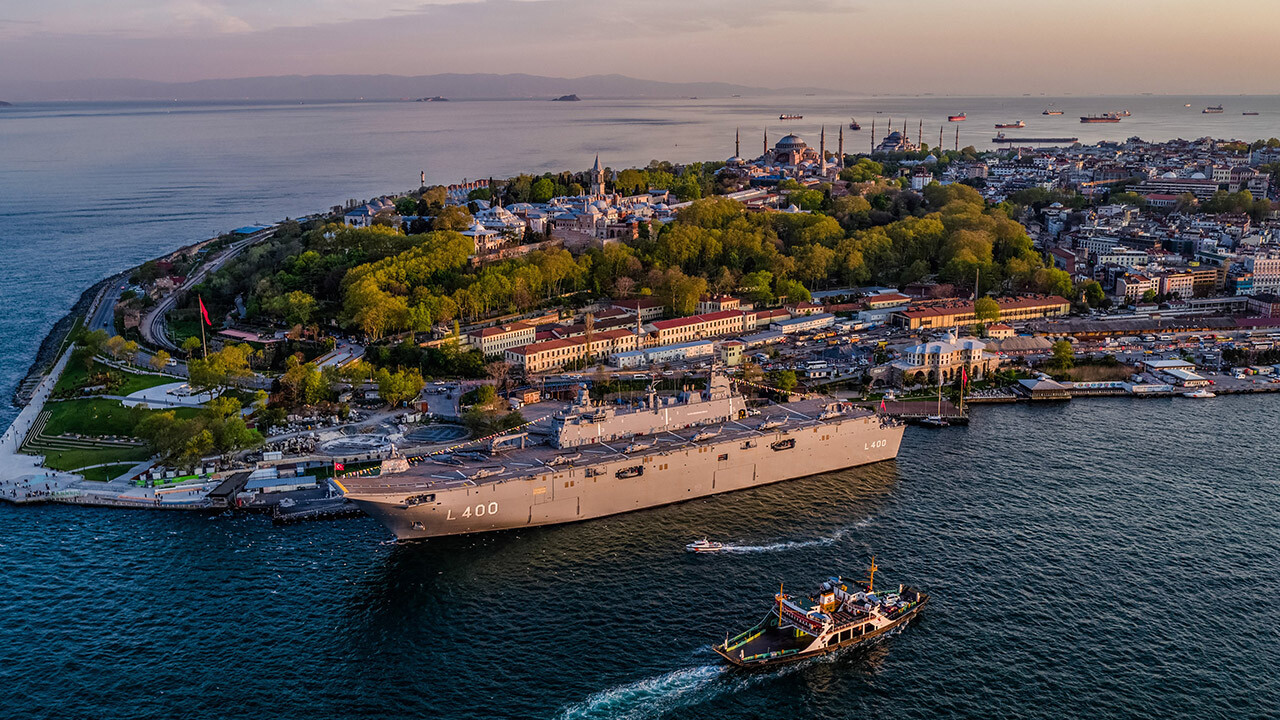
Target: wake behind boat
[(843, 615)]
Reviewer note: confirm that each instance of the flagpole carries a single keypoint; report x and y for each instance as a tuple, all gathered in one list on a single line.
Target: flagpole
[(203, 346)]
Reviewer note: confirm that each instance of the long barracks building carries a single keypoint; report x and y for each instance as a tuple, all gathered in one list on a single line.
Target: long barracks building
[(954, 313)]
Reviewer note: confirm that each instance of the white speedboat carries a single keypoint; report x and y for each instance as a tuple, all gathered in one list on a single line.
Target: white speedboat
[(704, 546), (1200, 394)]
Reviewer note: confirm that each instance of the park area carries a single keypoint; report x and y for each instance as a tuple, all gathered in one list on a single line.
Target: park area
[(73, 434), (104, 380)]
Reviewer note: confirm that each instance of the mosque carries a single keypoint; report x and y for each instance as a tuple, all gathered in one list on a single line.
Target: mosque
[(793, 153)]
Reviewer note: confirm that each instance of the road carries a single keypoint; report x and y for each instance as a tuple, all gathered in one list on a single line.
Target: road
[(153, 330)]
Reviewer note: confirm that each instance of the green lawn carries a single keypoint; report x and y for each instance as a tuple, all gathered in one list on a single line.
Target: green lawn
[(74, 377), (97, 416), (78, 458), (106, 473)]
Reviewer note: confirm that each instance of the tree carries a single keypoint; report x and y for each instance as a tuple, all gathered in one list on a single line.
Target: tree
[(985, 309), (452, 217), (406, 206), (1093, 293), (227, 366), (1149, 295), (785, 381), (485, 396), (400, 386), (1064, 355), (792, 290), (191, 345), (94, 341), (295, 308), (115, 347), (159, 360), (543, 189)]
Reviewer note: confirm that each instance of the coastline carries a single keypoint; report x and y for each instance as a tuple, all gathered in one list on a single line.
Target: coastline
[(47, 353)]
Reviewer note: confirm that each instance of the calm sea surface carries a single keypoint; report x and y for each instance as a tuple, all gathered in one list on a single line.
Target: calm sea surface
[(1095, 560), (1103, 559)]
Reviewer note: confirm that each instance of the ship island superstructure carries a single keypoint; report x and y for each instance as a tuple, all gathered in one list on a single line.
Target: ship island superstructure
[(599, 460), (843, 614)]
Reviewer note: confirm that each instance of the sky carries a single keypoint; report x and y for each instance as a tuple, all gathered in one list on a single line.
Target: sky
[(990, 47)]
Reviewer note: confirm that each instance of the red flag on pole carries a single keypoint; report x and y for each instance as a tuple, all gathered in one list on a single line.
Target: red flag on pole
[(964, 377), (204, 313), (339, 467), (882, 408)]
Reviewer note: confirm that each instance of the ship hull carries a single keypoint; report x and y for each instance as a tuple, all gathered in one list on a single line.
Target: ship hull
[(868, 639), (588, 491)]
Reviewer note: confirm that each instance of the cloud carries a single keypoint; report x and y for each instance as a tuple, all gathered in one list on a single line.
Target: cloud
[(195, 15)]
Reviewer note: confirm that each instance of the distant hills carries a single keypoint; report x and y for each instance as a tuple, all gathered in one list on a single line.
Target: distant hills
[(455, 86)]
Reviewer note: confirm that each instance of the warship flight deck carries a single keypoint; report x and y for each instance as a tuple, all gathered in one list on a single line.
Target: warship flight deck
[(507, 460)]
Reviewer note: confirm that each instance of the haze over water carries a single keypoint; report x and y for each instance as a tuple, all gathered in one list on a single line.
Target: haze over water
[(1103, 559)]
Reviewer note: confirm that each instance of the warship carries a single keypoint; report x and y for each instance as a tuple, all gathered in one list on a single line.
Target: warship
[(598, 460)]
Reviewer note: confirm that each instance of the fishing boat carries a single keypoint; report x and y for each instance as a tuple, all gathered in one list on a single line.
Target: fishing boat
[(1015, 124), (1187, 105), (853, 124), (957, 118), (1201, 394), (704, 546), (1052, 112), (1248, 113), (843, 614), (1211, 110), (789, 116)]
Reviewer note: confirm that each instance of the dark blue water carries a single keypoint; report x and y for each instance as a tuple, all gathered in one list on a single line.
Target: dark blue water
[(1103, 559)]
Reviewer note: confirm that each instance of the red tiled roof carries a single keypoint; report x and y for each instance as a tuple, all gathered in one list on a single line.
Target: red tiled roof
[(696, 319)]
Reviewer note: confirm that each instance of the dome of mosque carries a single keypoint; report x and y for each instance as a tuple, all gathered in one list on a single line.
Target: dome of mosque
[(791, 142)]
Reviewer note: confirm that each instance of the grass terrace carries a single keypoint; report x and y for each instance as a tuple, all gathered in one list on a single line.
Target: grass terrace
[(107, 472)]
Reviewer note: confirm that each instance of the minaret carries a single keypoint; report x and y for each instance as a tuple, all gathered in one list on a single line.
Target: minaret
[(841, 147), (822, 152), (597, 178), (737, 139), (765, 155)]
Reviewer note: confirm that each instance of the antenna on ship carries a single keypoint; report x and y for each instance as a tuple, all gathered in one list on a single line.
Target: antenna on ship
[(871, 581)]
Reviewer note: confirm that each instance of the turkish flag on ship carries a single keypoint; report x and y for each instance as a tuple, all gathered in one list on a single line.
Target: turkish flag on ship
[(339, 467), (204, 313)]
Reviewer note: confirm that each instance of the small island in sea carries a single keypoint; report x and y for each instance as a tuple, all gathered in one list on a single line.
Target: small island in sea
[(434, 98), (5, 104), (566, 98)]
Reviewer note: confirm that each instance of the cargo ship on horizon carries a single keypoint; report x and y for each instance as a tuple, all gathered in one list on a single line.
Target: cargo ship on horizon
[(602, 460), (1103, 118)]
